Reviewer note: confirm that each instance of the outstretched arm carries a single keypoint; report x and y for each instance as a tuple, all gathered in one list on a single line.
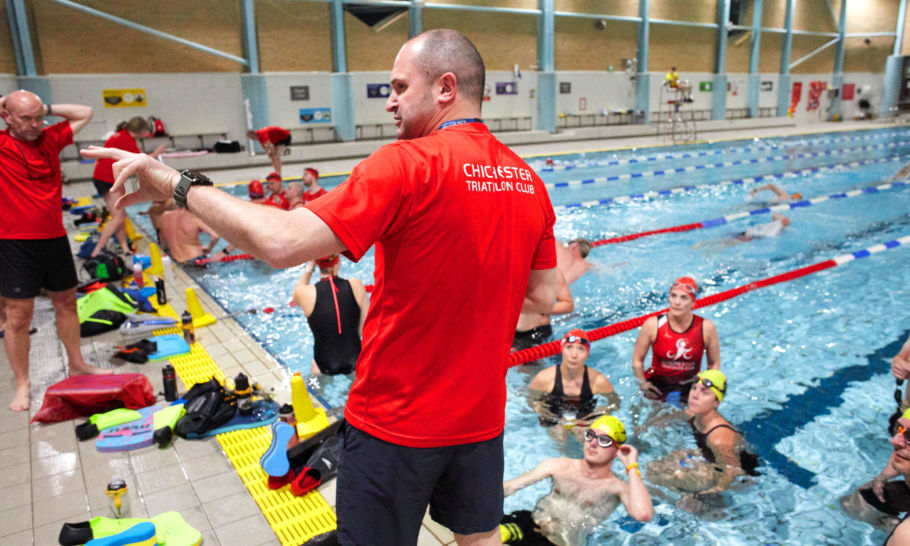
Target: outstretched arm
[(544, 470), (280, 238)]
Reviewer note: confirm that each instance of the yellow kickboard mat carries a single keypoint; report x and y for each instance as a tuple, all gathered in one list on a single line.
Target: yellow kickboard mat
[(294, 519)]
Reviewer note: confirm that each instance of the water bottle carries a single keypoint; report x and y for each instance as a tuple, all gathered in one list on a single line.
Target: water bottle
[(160, 291), (244, 394), (189, 334), (169, 379), (119, 500), (137, 273), (168, 270), (286, 414)]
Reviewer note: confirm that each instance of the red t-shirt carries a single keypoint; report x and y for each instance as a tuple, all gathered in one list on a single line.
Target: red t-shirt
[(310, 195), (272, 134), (677, 355), (458, 221), (31, 196), (277, 200), (122, 140)]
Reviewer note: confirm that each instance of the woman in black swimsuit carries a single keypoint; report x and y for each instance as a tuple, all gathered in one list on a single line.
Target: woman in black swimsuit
[(721, 456)]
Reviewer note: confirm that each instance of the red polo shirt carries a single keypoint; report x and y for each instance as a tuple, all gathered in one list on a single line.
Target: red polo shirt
[(458, 221), (272, 134)]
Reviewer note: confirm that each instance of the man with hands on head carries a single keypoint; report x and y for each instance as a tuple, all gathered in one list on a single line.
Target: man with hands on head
[(34, 250), (426, 203)]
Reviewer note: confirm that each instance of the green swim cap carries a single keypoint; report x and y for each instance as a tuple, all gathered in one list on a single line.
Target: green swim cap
[(612, 426), (717, 380), (906, 414)]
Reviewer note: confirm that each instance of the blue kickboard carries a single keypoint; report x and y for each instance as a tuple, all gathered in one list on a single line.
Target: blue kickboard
[(265, 412), (168, 345), (275, 460), (132, 435)]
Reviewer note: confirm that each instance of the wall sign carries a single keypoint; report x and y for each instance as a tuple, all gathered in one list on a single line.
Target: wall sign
[(378, 90), (565, 88), (506, 88), (706, 86), (849, 91), (767, 86), (123, 98), (582, 104), (315, 115), (300, 92)]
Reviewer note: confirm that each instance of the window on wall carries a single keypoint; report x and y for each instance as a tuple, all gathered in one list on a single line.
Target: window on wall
[(375, 17), (737, 12)]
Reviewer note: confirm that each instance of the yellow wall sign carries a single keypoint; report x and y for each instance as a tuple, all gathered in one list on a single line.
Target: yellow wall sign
[(123, 98)]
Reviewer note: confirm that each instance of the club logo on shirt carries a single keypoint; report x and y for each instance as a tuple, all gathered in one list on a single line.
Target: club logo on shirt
[(490, 178), (683, 351)]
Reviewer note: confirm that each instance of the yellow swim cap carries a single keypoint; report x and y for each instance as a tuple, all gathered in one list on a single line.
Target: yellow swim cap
[(716, 381), (612, 426), (906, 414)]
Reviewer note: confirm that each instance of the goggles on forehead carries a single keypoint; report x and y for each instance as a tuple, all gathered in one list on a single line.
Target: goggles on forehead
[(577, 339), (711, 384), (603, 440)]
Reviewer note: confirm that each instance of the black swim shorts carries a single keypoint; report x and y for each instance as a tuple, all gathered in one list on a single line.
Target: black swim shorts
[(383, 489), (28, 265), (285, 142), (102, 187), (532, 337)]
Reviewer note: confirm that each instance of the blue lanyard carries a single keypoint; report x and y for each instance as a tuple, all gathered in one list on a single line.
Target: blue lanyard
[(453, 122)]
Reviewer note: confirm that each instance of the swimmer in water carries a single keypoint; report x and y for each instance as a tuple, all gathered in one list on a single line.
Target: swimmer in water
[(779, 193), (570, 258), (584, 491), (881, 502), (722, 455), (566, 393)]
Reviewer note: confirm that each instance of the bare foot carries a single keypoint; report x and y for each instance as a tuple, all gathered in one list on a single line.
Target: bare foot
[(21, 400), (86, 369)]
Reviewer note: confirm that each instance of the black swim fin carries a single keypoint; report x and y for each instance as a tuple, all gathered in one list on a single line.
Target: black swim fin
[(301, 453), (322, 467)]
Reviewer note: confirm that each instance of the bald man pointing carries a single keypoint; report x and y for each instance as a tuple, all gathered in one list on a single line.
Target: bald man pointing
[(445, 202), (34, 250)]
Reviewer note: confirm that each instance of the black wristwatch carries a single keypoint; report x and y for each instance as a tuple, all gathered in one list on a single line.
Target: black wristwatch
[(188, 179)]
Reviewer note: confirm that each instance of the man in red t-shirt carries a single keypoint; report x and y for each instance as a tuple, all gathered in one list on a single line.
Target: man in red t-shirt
[(34, 250), (677, 341), (275, 141), (276, 198), (311, 181), (456, 219)]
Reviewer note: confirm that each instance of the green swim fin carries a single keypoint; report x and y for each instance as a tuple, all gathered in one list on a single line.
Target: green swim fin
[(164, 422), (170, 527), (101, 421)]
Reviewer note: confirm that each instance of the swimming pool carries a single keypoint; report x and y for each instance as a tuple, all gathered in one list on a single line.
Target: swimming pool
[(808, 379)]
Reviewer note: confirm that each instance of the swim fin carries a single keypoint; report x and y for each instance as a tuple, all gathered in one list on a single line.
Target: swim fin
[(170, 528), (141, 534), (320, 468), (101, 421)]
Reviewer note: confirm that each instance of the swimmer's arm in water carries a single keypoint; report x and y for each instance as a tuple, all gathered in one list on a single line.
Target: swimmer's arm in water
[(539, 388), (878, 482), (280, 238), (564, 304), (712, 344), (633, 494), (723, 443), (900, 364), (541, 291), (545, 469), (778, 191), (646, 337)]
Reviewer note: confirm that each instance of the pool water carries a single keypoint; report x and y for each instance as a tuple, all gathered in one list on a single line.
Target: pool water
[(807, 361)]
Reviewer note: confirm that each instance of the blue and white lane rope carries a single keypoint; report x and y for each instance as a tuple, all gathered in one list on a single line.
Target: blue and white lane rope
[(736, 181), (721, 151), (707, 166)]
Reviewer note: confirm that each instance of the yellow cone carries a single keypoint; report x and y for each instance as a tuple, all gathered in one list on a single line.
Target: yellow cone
[(156, 268), (310, 420), (130, 230), (200, 317)]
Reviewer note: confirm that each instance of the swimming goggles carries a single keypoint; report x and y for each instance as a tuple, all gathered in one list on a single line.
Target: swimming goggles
[(577, 339), (900, 430), (711, 384), (603, 440)]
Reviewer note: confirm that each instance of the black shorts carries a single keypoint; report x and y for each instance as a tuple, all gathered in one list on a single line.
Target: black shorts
[(285, 142), (532, 337), (102, 187), (383, 489), (671, 393), (28, 265)]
